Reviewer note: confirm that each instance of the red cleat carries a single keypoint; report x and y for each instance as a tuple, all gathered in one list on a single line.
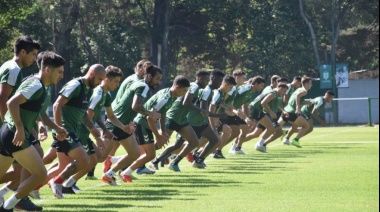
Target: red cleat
[(190, 157), (107, 164), (125, 178)]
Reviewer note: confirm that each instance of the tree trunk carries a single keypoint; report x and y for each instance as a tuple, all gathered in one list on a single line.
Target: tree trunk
[(312, 33)]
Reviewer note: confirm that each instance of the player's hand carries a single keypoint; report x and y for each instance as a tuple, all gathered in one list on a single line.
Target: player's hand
[(273, 116), (241, 115), (155, 115), (108, 134), (130, 128), (43, 133), (95, 132), (19, 138), (99, 143), (204, 113), (298, 111), (286, 114), (61, 133), (249, 122), (309, 103), (161, 140)]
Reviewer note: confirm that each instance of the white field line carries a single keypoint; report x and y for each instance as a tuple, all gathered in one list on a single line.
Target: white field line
[(188, 165)]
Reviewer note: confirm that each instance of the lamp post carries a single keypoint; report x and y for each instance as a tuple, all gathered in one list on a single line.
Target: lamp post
[(333, 61)]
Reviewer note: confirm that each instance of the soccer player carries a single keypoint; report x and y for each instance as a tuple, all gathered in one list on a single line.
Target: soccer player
[(310, 111), (293, 86), (126, 110), (296, 101), (147, 126), (70, 112), (176, 120), (240, 104), (23, 109)]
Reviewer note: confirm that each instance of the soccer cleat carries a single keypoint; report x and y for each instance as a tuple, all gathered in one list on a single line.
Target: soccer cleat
[(26, 204), (68, 190), (107, 164), (56, 188), (286, 142), (125, 178), (153, 166), (190, 157), (109, 180), (219, 155), (35, 194), (198, 165), (91, 178), (75, 187), (2, 209), (144, 170), (239, 152), (296, 143), (284, 133), (174, 167), (233, 147), (2, 200), (262, 149)]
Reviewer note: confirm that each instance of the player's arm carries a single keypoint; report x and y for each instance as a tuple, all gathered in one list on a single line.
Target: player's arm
[(60, 131), (213, 120), (163, 123), (299, 104), (5, 91), (13, 106), (115, 121), (265, 104), (188, 102), (138, 106), (57, 109), (316, 116)]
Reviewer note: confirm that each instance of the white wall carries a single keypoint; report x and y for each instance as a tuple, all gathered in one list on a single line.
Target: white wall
[(356, 112)]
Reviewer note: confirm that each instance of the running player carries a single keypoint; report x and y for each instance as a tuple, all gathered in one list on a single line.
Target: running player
[(176, 120), (70, 112), (147, 126), (23, 109), (310, 111), (296, 101), (126, 110), (293, 86)]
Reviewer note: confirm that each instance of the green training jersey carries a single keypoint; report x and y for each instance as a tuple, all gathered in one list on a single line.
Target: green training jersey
[(292, 104), (274, 104), (178, 112), (35, 93), (316, 103), (73, 111), (196, 118), (123, 88), (99, 99), (123, 109), (243, 96), (291, 90), (256, 104), (162, 101), (217, 100), (230, 99)]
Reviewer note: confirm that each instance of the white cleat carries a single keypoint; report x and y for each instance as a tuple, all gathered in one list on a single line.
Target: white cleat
[(35, 194), (262, 149), (286, 142), (56, 188), (2, 200), (233, 147), (145, 171), (239, 152)]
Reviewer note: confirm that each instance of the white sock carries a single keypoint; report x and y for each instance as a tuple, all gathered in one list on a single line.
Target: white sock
[(4, 190), (115, 159), (11, 202), (128, 171), (69, 182), (110, 173)]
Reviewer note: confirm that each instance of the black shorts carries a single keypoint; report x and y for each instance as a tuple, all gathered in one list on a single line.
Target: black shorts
[(6, 142), (33, 140), (144, 135), (274, 122), (71, 142), (87, 143), (235, 120), (117, 132), (172, 125), (198, 131), (292, 117), (220, 127), (256, 115)]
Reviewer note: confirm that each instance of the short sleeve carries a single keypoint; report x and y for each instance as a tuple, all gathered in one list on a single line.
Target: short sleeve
[(193, 88), (28, 89), (142, 91), (70, 89), (215, 97), (96, 98), (206, 94)]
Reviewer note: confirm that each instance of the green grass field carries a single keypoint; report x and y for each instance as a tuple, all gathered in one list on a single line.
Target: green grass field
[(337, 170)]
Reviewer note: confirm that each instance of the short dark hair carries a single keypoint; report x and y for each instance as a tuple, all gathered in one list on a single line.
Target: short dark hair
[(140, 64), (51, 59), (306, 80), (282, 85), (257, 80), (238, 72), (297, 78), (151, 69), (26, 43), (113, 71), (274, 78), (282, 79), (330, 93), (181, 81), (229, 80), (217, 73), (202, 73), (39, 59)]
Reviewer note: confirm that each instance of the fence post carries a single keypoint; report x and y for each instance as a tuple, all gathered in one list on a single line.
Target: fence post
[(369, 112)]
